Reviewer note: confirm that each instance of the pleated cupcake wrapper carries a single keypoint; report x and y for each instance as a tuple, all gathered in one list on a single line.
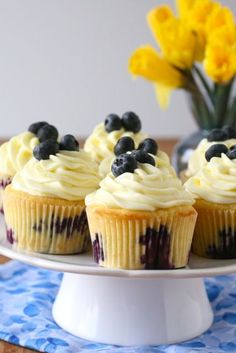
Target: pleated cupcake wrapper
[(3, 184), (45, 228), (215, 231), (161, 240)]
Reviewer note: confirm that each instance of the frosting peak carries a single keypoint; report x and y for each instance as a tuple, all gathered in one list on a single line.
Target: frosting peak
[(147, 189), (70, 175), (216, 182), (15, 153)]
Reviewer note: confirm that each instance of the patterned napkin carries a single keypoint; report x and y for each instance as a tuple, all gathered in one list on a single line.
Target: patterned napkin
[(27, 294)]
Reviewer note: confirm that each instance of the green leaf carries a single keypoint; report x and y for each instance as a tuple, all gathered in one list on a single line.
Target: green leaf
[(231, 114)]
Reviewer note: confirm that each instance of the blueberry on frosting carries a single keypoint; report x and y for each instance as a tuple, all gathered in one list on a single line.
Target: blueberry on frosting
[(35, 127), (112, 123), (217, 135), (69, 143), (143, 157), (123, 164), (230, 131), (231, 154), (215, 151), (47, 132), (124, 144), (148, 145), (131, 122), (44, 149)]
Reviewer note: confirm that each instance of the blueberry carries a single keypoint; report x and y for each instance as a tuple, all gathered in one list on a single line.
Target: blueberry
[(44, 149), (125, 163), (143, 157), (230, 131), (34, 128), (217, 135), (215, 151), (131, 122), (232, 152), (47, 132), (112, 123), (149, 146), (124, 144), (69, 143)]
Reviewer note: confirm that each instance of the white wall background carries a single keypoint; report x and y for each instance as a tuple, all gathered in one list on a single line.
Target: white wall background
[(65, 61)]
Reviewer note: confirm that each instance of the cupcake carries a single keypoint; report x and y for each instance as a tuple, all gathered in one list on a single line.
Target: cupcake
[(214, 188), (127, 144), (141, 217), (15, 153), (44, 205), (100, 144), (226, 136)]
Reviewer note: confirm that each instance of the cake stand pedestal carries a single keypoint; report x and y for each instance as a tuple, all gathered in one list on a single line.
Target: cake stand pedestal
[(128, 307), (132, 311)]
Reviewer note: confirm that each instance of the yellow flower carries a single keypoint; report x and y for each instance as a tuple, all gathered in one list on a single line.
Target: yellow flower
[(220, 62), (199, 14), (225, 34), (146, 62), (157, 18), (220, 17), (184, 6)]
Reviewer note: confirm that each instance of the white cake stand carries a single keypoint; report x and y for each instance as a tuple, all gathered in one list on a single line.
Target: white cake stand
[(128, 307)]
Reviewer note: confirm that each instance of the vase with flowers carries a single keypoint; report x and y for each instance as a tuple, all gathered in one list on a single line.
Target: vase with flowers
[(197, 53)]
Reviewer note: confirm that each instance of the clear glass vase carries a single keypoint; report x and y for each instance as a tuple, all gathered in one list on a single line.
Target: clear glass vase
[(184, 149)]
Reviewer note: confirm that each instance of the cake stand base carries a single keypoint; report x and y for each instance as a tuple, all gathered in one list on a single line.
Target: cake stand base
[(128, 311)]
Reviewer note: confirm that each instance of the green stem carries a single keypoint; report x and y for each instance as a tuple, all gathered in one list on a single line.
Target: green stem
[(221, 101), (231, 114), (204, 83)]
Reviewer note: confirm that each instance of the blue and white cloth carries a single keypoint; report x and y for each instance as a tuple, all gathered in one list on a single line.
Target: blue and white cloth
[(27, 294)]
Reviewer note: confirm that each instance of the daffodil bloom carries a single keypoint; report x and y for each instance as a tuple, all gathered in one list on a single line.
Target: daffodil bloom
[(157, 19), (199, 13), (147, 63), (219, 17), (225, 34), (220, 62), (184, 6)]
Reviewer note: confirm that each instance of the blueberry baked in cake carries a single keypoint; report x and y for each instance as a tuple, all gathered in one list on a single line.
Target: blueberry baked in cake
[(44, 205), (100, 144), (141, 217)]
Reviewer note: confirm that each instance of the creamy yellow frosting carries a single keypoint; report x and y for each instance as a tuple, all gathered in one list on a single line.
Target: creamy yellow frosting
[(100, 144), (69, 175), (161, 159), (15, 153), (216, 182), (147, 189), (197, 159)]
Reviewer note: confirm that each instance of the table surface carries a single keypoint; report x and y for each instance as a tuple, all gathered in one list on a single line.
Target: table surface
[(165, 145)]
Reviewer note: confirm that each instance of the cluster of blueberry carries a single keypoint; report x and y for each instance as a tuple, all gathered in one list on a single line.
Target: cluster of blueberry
[(226, 133), (219, 148), (125, 162), (129, 121), (48, 137)]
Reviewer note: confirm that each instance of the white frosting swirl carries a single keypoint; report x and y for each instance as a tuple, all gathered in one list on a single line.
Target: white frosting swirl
[(15, 153), (100, 144), (147, 189), (69, 175), (197, 159), (216, 182)]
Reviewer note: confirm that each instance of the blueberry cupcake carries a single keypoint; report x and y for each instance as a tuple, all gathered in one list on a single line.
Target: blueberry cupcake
[(100, 144), (226, 136), (127, 145), (15, 153), (141, 217), (44, 205), (214, 188)]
